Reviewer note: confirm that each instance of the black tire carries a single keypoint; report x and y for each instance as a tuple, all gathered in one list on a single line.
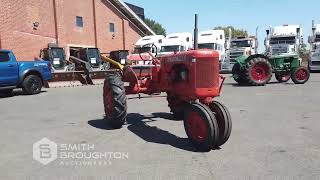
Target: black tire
[(300, 75), (32, 84), (176, 106), (258, 71), (237, 74), (224, 121), (199, 117), (115, 100), (283, 77)]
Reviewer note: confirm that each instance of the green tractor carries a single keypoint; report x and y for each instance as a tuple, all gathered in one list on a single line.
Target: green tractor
[(256, 70), (283, 45)]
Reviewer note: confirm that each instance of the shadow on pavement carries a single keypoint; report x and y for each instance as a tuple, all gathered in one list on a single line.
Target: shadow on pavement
[(16, 93), (138, 125)]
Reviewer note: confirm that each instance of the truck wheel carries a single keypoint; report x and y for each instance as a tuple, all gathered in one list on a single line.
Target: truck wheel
[(201, 126), (237, 74), (32, 84), (300, 75), (176, 106), (224, 121), (258, 71), (115, 100), (283, 77)]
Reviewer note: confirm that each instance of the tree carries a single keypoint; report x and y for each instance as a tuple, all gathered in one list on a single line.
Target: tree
[(235, 32), (155, 26)]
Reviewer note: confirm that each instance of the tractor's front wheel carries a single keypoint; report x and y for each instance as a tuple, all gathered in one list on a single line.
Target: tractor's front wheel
[(115, 100), (300, 75), (201, 126), (258, 71), (283, 77), (224, 121), (237, 74)]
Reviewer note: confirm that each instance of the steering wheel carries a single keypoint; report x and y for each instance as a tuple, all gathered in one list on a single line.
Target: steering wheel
[(152, 46)]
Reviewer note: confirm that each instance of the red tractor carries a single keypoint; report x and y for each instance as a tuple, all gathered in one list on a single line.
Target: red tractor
[(191, 80)]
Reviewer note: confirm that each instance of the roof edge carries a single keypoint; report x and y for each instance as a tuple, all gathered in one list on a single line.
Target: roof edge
[(134, 15)]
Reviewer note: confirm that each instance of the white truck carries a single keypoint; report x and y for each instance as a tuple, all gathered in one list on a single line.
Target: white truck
[(213, 39), (314, 40), (176, 42), (146, 44), (237, 47), (285, 39)]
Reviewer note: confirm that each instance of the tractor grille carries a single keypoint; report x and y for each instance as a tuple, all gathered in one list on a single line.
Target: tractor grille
[(205, 74), (234, 55)]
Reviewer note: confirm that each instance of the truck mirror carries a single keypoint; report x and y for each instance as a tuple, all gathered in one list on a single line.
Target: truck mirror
[(268, 31)]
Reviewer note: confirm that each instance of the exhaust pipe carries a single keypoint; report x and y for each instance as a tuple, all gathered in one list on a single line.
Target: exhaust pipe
[(256, 42), (195, 45)]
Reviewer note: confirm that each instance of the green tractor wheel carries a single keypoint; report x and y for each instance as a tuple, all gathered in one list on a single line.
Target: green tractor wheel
[(238, 75), (258, 71), (300, 75), (283, 77)]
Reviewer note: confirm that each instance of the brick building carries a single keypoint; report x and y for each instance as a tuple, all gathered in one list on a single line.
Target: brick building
[(28, 26)]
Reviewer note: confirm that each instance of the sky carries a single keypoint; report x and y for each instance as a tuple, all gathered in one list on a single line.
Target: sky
[(178, 15)]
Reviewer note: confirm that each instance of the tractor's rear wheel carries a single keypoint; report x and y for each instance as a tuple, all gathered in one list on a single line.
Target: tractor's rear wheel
[(258, 71), (176, 106), (300, 75), (283, 77), (237, 74), (115, 100), (201, 126)]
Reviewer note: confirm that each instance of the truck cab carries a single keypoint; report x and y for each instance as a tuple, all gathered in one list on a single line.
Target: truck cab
[(314, 41), (28, 75), (176, 42), (285, 39), (143, 46), (213, 39), (239, 46)]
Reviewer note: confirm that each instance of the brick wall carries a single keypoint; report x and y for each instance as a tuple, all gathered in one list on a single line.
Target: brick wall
[(17, 26), (17, 31)]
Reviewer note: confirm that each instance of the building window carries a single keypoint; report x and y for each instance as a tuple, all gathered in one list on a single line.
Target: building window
[(79, 21), (111, 27)]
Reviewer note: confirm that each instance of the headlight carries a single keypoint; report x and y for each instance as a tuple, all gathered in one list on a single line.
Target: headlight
[(123, 61)]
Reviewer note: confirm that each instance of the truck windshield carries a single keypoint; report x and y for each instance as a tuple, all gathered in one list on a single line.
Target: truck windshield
[(283, 40), (317, 38), (58, 53), (94, 53), (244, 43), (213, 46), (171, 48), (138, 50)]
